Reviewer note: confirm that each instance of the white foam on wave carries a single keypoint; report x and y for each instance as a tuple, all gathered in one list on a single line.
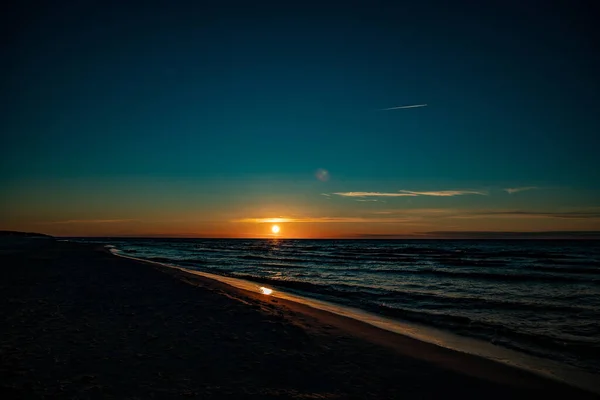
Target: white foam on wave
[(539, 366)]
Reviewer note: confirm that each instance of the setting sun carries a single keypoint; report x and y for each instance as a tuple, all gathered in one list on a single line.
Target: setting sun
[(275, 229)]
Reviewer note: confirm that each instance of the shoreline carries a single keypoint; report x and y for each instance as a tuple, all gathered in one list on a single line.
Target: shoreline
[(81, 322), (446, 349)]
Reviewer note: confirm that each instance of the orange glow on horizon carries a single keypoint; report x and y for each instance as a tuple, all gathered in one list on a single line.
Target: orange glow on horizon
[(426, 223)]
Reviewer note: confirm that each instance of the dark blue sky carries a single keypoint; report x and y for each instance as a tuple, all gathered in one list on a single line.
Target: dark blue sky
[(236, 93)]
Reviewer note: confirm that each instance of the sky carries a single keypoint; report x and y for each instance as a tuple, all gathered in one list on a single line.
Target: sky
[(345, 119)]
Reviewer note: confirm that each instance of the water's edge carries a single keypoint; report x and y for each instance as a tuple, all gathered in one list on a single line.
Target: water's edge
[(539, 366)]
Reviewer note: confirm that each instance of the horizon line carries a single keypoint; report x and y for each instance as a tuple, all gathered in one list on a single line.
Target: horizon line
[(432, 235)]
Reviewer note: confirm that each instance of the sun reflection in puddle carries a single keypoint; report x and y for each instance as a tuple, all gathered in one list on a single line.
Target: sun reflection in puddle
[(265, 290)]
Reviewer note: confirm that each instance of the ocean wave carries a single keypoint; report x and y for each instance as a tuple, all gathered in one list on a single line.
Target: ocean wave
[(528, 254), (254, 257), (500, 277), (283, 266), (508, 277), (424, 299), (460, 262), (566, 270)]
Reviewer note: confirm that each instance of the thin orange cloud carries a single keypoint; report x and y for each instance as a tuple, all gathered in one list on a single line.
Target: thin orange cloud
[(324, 220), (88, 221)]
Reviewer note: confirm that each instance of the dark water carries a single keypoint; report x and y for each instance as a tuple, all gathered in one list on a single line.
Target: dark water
[(538, 297)]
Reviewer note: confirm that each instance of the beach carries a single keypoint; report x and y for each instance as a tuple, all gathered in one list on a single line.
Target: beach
[(79, 322)]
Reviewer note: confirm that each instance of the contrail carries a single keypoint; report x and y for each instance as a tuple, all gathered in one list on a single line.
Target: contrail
[(401, 107)]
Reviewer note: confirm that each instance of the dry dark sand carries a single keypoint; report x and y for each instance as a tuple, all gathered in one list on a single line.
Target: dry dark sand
[(77, 322)]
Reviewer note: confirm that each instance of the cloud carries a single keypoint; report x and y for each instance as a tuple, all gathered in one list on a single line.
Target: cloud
[(484, 235), (410, 193), (437, 213), (325, 220), (89, 221), (419, 211), (541, 214), (520, 189), (386, 235), (425, 216), (586, 213), (403, 107), (373, 194), (513, 234), (446, 193)]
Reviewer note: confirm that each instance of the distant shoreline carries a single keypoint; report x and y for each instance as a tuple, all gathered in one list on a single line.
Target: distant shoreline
[(441, 235), (591, 237)]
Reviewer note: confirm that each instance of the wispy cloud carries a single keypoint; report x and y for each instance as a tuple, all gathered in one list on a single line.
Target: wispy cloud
[(439, 213), (418, 211), (88, 221), (282, 220), (373, 194), (410, 193), (403, 107), (446, 193), (520, 189), (386, 235), (425, 216), (539, 214), (512, 234)]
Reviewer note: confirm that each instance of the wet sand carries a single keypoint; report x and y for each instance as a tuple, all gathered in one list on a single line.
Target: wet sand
[(78, 322)]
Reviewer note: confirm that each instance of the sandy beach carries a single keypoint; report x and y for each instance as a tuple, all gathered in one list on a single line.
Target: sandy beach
[(79, 322)]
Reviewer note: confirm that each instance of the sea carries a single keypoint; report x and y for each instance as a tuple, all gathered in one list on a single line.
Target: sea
[(538, 297)]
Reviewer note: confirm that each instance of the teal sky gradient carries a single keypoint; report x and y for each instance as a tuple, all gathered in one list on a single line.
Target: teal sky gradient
[(219, 111)]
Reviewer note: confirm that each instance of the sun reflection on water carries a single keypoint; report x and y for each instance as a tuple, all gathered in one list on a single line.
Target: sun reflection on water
[(265, 290)]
